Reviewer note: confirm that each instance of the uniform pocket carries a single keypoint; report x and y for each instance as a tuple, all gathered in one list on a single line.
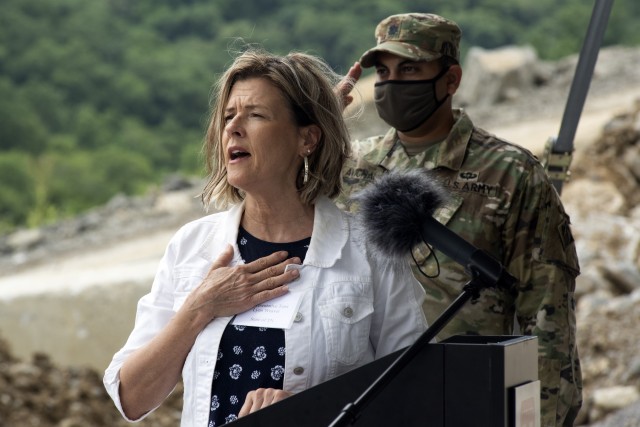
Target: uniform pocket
[(553, 232), (347, 322)]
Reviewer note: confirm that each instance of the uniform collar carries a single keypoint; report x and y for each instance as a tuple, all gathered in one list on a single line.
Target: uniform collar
[(450, 152)]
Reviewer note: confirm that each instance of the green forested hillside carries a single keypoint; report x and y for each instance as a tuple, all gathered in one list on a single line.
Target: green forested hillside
[(102, 97)]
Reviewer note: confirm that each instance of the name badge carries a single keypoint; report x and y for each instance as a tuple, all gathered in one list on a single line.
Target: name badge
[(276, 313)]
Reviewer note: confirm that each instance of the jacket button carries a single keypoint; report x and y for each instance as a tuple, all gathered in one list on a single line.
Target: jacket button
[(298, 371), (298, 317), (347, 312)]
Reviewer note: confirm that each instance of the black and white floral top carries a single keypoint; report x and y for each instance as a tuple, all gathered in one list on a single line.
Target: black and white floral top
[(249, 357)]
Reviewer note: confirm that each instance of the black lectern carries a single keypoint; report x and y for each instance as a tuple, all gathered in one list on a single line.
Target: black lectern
[(462, 381)]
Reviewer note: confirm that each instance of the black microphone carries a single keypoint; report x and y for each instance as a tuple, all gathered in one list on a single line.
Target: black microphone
[(396, 213)]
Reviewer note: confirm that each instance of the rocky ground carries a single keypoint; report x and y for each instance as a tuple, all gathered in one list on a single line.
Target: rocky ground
[(601, 199), (38, 393)]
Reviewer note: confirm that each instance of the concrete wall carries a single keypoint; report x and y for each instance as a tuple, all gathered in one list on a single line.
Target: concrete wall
[(83, 328)]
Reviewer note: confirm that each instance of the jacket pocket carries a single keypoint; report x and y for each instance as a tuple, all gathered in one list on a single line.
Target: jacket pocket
[(179, 299), (347, 322), (186, 280)]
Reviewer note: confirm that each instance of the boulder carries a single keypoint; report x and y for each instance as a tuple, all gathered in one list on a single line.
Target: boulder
[(494, 76)]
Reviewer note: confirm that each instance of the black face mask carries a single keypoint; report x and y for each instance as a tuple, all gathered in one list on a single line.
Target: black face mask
[(406, 104)]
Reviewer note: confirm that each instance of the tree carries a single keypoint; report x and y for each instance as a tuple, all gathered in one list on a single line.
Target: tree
[(20, 126), (17, 195)]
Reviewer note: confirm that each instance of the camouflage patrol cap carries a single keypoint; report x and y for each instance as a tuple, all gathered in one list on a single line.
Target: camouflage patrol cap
[(416, 36)]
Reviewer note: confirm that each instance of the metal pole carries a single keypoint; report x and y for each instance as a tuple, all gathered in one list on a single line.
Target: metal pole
[(559, 150)]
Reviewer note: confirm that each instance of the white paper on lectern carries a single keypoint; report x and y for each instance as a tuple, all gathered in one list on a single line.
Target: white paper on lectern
[(527, 404)]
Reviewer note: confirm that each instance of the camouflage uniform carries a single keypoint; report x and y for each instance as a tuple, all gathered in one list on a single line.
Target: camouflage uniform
[(503, 203)]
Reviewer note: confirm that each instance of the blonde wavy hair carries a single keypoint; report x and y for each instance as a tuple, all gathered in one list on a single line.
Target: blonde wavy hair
[(307, 83)]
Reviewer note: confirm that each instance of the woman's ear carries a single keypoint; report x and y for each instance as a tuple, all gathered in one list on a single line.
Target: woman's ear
[(311, 137)]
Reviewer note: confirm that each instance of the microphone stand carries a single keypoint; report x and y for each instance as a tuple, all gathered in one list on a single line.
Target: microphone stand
[(494, 275)]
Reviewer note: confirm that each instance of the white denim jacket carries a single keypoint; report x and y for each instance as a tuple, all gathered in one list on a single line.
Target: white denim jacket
[(356, 307)]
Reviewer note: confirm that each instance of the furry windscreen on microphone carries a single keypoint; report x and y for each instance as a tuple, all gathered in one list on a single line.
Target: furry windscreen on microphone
[(392, 210)]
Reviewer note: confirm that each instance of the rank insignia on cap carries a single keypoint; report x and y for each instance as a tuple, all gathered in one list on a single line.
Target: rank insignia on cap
[(393, 30)]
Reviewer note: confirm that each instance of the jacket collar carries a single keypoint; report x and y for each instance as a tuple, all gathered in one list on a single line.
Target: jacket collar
[(329, 236), (224, 232)]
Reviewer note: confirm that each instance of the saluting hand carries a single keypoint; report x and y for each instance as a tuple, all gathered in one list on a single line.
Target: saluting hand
[(345, 86)]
